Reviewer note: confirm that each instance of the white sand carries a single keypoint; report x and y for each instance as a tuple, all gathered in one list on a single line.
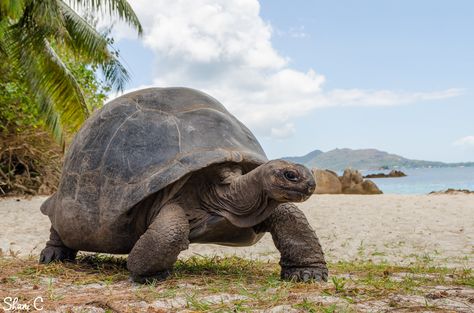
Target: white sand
[(396, 228)]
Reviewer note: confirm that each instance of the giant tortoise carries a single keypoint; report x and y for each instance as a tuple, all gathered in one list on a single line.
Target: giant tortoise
[(160, 168)]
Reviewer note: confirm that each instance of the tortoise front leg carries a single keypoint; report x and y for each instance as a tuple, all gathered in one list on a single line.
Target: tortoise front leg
[(302, 258), (55, 250), (156, 251)]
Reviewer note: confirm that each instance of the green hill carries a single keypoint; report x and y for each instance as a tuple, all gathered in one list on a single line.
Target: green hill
[(364, 159), (305, 158)]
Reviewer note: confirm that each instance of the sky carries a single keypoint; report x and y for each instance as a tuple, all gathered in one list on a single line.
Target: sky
[(302, 75)]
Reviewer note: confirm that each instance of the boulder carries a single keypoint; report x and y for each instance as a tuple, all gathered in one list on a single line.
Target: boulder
[(351, 182), (370, 188), (350, 179), (367, 187), (327, 182)]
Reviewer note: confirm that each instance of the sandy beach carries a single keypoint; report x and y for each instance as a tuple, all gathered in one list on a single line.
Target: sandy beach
[(399, 229)]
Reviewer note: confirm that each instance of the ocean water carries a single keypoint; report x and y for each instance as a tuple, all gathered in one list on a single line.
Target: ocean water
[(425, 180)]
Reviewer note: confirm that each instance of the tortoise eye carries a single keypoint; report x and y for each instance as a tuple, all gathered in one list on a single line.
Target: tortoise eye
[(291, 176)]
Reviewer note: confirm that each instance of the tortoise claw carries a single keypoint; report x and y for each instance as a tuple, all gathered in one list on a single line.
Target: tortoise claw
[(54, 253), (305, 274), (157, 277)]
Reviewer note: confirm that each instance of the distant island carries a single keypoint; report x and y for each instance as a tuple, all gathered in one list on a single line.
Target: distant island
[(364, 159)]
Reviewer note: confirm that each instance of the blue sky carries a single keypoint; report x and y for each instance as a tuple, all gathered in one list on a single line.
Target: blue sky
[(305, 75)]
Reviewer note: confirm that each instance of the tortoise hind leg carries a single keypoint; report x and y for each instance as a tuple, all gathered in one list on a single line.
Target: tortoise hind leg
[(55, 250), (156, 251)]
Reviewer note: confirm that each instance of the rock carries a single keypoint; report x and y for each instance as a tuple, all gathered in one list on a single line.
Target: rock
[(350, 179), (452, 191), (367, 187), (351, 182), (393, 173), (327, 182), (370, 188), (396, 173)]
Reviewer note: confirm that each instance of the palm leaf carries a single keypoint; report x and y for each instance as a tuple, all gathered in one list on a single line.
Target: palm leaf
[(62, 87), (96, 49), (115, 73), (84, 39), (11, 9), (26, 30), (51, 118), (121, 8), (3, 50), (48, 76), (46, 15)]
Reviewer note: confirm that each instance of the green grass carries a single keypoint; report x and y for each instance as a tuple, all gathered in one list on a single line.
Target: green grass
[(198, 283)]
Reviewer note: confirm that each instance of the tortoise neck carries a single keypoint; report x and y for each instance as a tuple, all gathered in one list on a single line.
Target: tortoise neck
[(243, 201)]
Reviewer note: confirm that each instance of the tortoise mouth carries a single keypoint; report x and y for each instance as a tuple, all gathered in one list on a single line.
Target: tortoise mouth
[(294, 194)]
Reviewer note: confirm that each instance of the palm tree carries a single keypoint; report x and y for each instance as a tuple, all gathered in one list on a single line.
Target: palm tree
[(31, 32)]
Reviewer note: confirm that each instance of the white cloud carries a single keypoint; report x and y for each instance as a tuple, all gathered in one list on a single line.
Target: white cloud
[(224, 48), (284, 131), (360, 97), (465, 141)]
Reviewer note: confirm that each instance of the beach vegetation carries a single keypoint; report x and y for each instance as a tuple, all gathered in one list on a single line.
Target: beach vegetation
[(56, 69), (224, 284), (48, 45)]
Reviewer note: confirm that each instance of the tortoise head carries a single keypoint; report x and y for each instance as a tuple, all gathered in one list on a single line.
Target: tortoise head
[(287, 182)]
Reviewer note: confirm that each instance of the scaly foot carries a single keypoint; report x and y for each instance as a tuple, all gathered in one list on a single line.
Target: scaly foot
[(157, 277), (55, 253), (305, 274)]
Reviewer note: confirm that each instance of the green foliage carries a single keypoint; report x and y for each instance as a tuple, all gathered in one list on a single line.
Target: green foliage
[(17, 108), (21, 111), (29, 159), (55, 52)]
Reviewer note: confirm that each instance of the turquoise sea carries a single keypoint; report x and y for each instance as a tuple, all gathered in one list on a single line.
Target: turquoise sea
[(425, 180)]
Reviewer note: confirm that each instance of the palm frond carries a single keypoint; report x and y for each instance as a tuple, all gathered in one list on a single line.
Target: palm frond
[(94, 47), (47, 15), (27, 27), (11, 9), (84, 38), (115, 73), (3, 49), (120, 8), (48, 75), (51, 118)]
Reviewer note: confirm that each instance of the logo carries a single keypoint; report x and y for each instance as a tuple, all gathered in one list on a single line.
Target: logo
[(13, 304)]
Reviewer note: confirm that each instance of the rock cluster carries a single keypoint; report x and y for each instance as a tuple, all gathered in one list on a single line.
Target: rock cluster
[(393, 173), (452, 191), (351, 182)]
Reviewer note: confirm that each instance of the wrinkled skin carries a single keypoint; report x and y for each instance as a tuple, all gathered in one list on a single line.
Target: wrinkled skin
[(223, 205)]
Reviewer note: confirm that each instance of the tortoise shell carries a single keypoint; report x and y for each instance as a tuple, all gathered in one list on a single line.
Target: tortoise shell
[(142, 142)]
